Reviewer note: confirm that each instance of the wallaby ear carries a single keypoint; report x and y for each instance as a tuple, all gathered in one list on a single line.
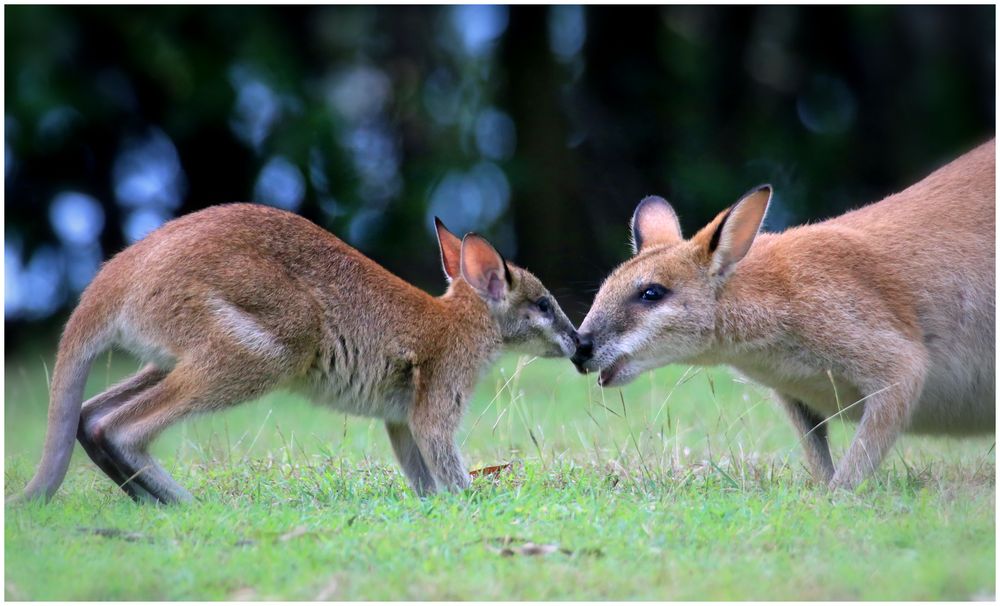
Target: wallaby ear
[(654, 222), (737, 229), (451, 250), (484, 269)]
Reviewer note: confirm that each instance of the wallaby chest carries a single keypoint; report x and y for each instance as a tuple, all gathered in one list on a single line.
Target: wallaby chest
[(363, 378)]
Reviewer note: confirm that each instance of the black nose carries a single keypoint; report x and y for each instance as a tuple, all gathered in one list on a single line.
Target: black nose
[(584, 350)]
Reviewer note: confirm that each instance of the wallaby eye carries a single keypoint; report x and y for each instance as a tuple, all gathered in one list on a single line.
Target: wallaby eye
[(544, 305), (654, 292)]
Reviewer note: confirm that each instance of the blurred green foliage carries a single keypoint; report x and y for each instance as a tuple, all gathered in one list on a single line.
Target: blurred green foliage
[(540, 127)]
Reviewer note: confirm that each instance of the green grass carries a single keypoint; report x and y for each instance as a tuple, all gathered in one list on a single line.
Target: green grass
[(685, 485)]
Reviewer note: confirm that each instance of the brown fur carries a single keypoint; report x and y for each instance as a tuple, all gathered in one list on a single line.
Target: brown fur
[(234, 301), (890, 306)]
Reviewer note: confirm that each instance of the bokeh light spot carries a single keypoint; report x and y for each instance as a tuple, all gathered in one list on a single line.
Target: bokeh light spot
[(495, 134), (478, 25), (82, 263), (359, 92), (826, 106), (34, 289), (280, 184), (472, 200), (567, 31), (148, 173), (139, 223), (256, 110), (76, 218)]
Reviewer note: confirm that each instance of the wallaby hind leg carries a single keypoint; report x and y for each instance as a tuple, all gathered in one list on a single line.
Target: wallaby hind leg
[(126, 432), (410, 459), (813, 436), (102, 404)]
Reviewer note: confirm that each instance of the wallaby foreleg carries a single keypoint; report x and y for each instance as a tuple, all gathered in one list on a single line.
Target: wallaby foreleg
[(887, 411), (433, 427), (410, 459), (813, 436)]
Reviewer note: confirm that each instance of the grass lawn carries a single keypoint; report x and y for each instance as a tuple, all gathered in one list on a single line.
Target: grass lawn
[(687, 484)]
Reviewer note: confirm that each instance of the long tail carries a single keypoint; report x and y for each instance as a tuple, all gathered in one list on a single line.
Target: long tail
[(87, 334)]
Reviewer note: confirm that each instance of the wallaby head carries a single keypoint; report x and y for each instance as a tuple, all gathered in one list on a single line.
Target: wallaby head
[(528, 317), (659, 307)]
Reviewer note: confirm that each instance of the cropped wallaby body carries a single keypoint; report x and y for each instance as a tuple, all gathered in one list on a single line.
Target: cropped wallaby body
[(884, 315), (235, 301)]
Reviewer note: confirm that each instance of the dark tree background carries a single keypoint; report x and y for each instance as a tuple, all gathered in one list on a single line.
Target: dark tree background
[(540, 127)]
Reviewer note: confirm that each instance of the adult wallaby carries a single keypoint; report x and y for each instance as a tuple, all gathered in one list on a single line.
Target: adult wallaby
[(884, 314), (234, 301)]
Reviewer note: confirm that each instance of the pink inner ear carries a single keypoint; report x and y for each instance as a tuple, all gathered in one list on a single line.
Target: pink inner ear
[(654, 223), (482, 267), (495, 286)]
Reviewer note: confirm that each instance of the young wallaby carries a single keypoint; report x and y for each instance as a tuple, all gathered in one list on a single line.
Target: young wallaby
[(884, 314), (234, 301)]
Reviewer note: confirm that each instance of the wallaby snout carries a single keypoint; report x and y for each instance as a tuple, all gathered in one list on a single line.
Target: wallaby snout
[(584, 352), (606, 358)]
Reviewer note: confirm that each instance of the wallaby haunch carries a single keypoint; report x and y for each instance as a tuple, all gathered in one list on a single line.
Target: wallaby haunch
[(884, 314), (234, 301)]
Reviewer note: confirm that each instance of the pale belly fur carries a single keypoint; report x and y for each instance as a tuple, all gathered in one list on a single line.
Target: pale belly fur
[(947, 404)]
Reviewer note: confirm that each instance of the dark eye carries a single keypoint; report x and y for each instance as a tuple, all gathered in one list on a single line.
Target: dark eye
[(544, 305), (653, 292)]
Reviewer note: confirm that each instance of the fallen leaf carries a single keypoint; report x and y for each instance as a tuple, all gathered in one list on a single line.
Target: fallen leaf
[(492, 470), (243, 594), (12, 591), (328, 591), (511, 546), (530, 549), (114, 533), (294, 533)]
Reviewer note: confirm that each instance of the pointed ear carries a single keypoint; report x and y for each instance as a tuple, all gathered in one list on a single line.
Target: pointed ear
[(484, 269), (736, 229), (654, 222), (451, 250)]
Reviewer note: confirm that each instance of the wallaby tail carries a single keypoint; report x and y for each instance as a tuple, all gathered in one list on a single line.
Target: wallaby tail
[(87, 334)]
